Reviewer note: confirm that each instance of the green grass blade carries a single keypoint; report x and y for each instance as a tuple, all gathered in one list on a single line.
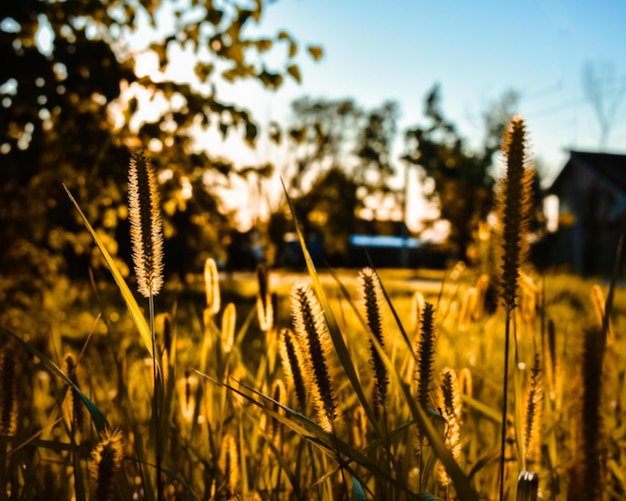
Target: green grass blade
[(129, 298), (96, 414)]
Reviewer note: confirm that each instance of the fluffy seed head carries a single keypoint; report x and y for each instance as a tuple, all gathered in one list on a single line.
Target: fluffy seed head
[(212, 286), (106, 461), (146, 231), (229, 320), (513, 197), (372, 300), (315, 344), (229, 464), (293, 363)]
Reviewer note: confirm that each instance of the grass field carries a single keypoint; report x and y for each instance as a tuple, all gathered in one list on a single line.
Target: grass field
[(412, 384), (231, 442)]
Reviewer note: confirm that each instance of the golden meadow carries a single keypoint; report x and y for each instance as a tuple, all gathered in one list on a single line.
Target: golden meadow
[(490, 383)]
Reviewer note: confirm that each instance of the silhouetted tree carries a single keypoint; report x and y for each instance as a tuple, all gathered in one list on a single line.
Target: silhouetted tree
[(462, 179), (70, 112)]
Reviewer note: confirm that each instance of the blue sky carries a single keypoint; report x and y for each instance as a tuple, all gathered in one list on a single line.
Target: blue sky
[(475, 50)]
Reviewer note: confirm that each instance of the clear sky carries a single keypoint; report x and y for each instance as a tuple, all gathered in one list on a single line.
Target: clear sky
[(476, 50)]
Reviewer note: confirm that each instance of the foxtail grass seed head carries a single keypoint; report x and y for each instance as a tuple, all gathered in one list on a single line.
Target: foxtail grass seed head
[(533, 407), (466, 384), (278, 394), (146, 231), (187, 396), (163, 322), (264, 303), (514, 203), (293, 365), (315, 344), (482, 284), (468, 305), (8, 392), (212, 286), (450, 408), (229, 465), (229, 321), (106, 461), (372, 300), (75, 410), (424, 352)]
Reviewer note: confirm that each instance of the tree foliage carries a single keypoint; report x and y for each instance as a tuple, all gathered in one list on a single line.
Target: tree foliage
[(71, 112), (462, 178)]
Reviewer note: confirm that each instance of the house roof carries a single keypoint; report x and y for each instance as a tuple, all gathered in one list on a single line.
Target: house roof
[(609, 169)]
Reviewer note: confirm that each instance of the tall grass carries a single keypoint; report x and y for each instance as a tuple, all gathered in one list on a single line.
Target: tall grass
[(365, 387)]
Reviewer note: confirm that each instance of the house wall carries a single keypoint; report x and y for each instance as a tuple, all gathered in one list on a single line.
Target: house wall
[(588, 245)]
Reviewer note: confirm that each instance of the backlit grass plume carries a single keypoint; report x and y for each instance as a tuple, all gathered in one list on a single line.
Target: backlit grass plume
[(146, 231), (106, 461), (513, 198), (372, 298), (212, 287), (533, 407), (450, 407), (315, 343), (74, 405), (424, 352), (264, 306), (229, 465), (292, 363)]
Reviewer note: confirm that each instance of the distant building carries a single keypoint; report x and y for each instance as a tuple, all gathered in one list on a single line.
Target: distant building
[(591, 189)]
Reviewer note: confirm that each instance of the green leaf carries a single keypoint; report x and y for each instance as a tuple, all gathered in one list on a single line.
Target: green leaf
[(96, 414), (129, 298), (316, 52), (294, 71)]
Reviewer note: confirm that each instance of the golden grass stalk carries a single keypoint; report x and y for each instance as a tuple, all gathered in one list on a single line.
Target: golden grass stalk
[(468, 306), (292, 362), (187, 396), (264, 306), (424, 353), (146, 231), (163, 322), (8, 392), (514, 202), (513, 199), (315, 344), (533, 407), (450, 406), (482, 286), (372, 299), (587, 477), (106, 461), (212, 287), (75, 410), (229, 321), (279, 394), (228, 464)]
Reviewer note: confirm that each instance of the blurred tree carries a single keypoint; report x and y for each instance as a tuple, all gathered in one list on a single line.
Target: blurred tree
[(340, 156), (74, 102), (462, 179)]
